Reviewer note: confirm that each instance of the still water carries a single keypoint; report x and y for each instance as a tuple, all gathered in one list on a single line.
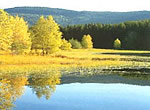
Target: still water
[(100, 92)]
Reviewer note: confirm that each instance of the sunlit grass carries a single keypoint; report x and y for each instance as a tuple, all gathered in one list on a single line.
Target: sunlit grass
[(76, 58)]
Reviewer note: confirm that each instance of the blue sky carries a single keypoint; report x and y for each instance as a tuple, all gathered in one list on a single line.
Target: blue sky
[(82, 5)]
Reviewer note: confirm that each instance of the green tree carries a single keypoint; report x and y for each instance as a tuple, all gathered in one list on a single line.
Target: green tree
[(87, 42), (21, 40), (65, 45), (75, 44), (117, 44), (46, 35), (130, 40)]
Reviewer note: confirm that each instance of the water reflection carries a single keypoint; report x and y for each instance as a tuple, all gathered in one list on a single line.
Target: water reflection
[(43, 85), (137, 76), (125, 78), (12, 86)]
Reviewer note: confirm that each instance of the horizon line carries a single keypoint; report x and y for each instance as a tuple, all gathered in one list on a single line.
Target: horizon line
[(71, 9)]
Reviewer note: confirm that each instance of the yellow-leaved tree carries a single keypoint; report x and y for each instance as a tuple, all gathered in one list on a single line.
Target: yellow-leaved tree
[(5, 31), (65, 45), (21, 36), (46, 35), (117, 44), (87, 42)]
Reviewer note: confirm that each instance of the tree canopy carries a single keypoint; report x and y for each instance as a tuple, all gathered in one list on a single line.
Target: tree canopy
[(21, 39), (87, 42), (75, 44), (117, 44), (14, 34), (132, 34), (5, 31), (46, 35)]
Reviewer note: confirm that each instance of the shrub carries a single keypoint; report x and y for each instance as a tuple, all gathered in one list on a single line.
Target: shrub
[(117, 44), (65, 45), (75, 44), (87, 42)]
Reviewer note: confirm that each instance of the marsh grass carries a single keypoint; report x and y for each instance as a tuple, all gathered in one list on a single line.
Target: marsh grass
[(75, 59)]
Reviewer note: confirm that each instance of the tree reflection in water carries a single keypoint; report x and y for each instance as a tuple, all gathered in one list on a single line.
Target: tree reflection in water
[(44, 84), (12, 86)]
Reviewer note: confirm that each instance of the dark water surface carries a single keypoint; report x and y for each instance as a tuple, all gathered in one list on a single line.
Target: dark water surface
[(97, 92)]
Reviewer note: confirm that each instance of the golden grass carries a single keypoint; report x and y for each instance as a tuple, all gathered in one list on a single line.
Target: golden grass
[(72, 59)]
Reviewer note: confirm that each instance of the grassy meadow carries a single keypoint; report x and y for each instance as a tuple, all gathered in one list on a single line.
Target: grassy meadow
[(77, 59)]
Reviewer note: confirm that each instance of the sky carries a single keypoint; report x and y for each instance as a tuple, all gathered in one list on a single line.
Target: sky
[(82, 5)]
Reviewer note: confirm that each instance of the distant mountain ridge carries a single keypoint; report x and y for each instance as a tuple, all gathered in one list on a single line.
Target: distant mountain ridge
[(69, 17)]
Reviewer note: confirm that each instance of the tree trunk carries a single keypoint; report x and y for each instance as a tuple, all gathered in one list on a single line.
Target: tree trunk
[(43, 51)]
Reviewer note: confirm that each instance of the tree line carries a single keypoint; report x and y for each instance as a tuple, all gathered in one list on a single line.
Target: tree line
[(132, 34), (44, 37)]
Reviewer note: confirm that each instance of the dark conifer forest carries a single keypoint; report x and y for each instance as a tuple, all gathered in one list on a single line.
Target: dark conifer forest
[(132, 34)]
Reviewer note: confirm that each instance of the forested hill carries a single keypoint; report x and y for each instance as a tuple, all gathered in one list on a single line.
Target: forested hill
[(67, 17)]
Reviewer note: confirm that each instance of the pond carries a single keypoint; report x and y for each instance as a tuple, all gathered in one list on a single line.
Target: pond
[(75, 92)]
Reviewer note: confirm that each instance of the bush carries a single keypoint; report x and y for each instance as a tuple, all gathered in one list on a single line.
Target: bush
[(65, 45), (75, 44), (117, 44), (87, 42)]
